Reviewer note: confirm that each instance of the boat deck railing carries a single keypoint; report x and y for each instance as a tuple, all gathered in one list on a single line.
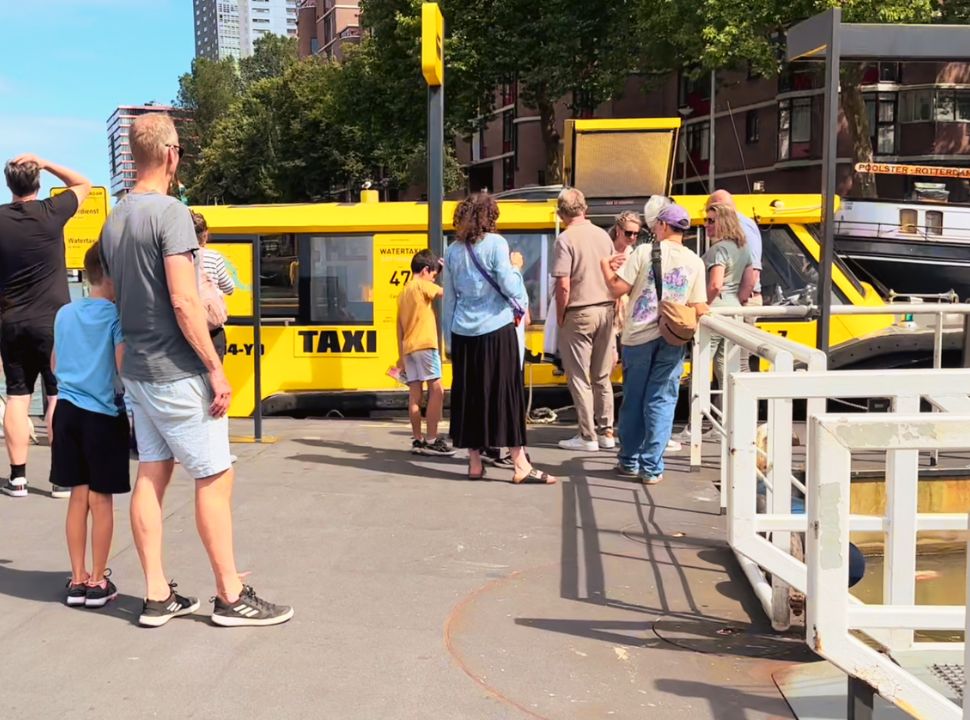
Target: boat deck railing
[(758, 484)]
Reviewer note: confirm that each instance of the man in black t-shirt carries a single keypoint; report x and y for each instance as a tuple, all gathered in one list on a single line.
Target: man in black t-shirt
[(33, 287)]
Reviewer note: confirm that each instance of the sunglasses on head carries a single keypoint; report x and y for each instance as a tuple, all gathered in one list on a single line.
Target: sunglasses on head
[(179, 148)]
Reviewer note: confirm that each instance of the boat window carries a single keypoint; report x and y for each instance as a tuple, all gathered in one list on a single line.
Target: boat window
[(278, 276), (789, 275), (341, 279), (934, 222), (907, 221), (536, 249)]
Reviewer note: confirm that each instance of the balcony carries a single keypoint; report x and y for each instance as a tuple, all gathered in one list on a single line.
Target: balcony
[(351, 32)]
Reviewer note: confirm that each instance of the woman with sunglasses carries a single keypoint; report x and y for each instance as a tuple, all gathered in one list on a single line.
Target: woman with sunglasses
[(624, 233), (730, 272)]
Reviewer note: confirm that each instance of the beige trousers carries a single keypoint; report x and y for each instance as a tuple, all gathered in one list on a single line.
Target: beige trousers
[(586, 345)]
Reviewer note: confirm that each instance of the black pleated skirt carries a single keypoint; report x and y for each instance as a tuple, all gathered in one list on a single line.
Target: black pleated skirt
[(487, 390)]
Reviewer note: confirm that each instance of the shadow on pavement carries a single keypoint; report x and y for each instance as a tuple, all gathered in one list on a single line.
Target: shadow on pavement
[(47, 586)]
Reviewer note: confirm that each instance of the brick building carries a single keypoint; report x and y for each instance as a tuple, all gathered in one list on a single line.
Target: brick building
[(324, 27), (768, 131)]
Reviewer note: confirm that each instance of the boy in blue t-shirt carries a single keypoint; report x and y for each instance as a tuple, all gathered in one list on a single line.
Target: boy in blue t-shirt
[(89, 449)]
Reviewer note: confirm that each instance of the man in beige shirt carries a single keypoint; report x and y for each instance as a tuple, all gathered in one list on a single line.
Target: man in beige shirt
[(584, 309)]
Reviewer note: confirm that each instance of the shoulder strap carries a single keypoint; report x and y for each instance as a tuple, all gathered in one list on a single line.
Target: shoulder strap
[(491, 281), (655, 258)]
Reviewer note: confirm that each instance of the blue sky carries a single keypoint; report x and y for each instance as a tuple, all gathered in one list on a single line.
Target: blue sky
[(66, 65)]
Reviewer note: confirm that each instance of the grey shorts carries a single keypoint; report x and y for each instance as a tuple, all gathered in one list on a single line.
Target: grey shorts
[(172, 420), (422, 366)]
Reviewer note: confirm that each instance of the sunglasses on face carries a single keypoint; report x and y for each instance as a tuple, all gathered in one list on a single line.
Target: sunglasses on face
[(631, 233), (179, 148), (709, 221)]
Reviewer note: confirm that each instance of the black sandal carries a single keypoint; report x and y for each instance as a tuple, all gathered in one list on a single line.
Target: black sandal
[(480, 476), (535, 477)]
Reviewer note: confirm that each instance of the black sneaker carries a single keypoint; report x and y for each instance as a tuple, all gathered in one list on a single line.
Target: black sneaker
[(76, 593), (439, 447), (156, 613), (419, 447), (491, 456), (15, 487), (98, 596), (249, 610)]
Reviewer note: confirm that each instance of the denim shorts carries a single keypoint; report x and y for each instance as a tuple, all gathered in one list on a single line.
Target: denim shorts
[(172, 420), (422, 366)]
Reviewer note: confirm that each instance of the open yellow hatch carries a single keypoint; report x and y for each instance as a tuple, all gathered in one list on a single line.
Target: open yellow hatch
[(620, 159)]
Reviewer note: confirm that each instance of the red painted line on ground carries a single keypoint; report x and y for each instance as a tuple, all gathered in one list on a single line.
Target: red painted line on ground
[(456, 613)]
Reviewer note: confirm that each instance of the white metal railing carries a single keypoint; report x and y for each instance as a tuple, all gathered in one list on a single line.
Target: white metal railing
[(701, 359), (761, 537), (832, 618)]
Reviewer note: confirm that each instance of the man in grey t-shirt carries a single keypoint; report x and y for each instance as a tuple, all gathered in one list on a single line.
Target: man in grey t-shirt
[(174, 380)]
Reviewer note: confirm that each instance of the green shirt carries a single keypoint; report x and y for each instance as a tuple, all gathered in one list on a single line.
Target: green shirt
[(735, 260)]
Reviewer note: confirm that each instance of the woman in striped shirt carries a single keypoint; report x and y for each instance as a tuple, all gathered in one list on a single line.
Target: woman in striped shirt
[(214, 266)]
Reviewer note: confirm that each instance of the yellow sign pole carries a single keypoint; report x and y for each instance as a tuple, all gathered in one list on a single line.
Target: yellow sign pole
[(433, 69), (84, 229)]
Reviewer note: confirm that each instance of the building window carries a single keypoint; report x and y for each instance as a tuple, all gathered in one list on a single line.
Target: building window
[(796, 76), (341, 279), (508, 131), (510, 93), (696, 139), (945, 105), (694, 90), (508, 173), (752, 131), (482, 150), (794, 128), (881, 109)]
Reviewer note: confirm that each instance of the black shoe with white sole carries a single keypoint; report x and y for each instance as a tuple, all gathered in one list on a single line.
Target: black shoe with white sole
[(249, 610), (439, 447), (98, 596), (15, 487), (76, 593), (156, 613)]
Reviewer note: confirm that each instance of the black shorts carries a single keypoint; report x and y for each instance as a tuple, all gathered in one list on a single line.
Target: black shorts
[(25, 348), (90, 449)]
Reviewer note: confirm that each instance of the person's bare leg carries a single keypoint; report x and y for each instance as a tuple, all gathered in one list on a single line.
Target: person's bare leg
[(475, 467), (146, 524), (102, 530), (16, 428), (522, 465), (436, 404), (49, 418), (415, 391), (77, 533), (213, 517)]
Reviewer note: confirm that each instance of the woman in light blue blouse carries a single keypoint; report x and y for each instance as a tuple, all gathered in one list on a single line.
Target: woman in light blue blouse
[(484, 301)]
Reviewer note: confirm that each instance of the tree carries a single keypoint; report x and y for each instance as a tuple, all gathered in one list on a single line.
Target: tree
[(719, 34), (580, 50), (272, 56)]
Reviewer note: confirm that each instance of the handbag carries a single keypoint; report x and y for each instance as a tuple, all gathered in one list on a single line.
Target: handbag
[(518, 312), (213, 301), (677, 322)]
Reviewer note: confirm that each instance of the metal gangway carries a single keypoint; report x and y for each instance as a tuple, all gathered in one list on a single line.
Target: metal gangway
[(757, 483)]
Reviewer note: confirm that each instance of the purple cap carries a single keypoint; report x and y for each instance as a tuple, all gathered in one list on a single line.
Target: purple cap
[(675, 216)]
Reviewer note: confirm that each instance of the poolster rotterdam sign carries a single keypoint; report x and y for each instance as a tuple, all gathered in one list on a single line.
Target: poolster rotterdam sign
[(915, 170)]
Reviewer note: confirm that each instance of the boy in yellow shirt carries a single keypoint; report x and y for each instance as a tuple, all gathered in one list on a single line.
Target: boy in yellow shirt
[(419, 359)]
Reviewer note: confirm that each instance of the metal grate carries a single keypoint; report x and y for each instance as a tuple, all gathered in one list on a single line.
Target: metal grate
[(952, 675)]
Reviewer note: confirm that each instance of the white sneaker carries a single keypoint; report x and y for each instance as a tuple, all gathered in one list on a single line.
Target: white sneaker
[(606, 441), (577, 443), (60, 492), (673, 446)]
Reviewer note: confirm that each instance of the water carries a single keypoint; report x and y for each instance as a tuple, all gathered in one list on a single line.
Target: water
[(941, 579)]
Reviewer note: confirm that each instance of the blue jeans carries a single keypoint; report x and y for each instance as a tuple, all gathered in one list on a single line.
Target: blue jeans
[(651, 381)]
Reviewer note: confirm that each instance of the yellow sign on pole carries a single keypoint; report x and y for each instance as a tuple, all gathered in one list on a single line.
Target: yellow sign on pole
[(239, 264), (432, 44), (84, 229)]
